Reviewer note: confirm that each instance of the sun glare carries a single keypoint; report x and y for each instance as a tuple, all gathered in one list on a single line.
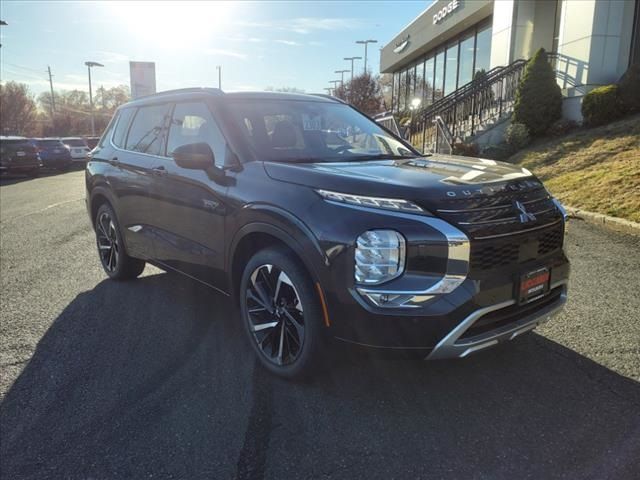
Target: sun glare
[(175, 24)]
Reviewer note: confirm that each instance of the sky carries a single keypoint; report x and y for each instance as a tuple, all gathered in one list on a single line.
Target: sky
[(259, 44)]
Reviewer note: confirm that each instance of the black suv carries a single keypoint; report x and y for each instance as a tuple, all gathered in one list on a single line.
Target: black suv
[(18, 155), (322, 224)]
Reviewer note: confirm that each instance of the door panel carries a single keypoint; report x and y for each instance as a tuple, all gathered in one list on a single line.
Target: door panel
[(190, 205), (143, 141)]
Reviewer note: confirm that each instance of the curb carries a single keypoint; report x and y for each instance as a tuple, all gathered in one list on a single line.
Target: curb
[(605, 221)]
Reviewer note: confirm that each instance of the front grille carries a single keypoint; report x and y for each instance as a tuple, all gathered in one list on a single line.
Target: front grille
[(511, 250), (497, 215), (507, 224)]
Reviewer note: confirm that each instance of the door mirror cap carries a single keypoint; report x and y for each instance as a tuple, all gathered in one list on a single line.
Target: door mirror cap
[(196, 156)]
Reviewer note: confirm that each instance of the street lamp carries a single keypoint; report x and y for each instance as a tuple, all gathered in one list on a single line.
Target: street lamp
[(93, 123), (352, 59), (365, 43), (341, 72)]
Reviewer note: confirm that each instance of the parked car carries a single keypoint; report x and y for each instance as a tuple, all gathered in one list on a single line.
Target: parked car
[(92, 142), (77, 147), (322, 224), (53, 153), (18, 155)]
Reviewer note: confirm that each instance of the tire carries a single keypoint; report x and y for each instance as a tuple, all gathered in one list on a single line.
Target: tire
[(113, 257), (276, 290)]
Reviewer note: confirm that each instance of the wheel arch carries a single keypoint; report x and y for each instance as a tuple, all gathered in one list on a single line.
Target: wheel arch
[(258, 235), (98, 197)]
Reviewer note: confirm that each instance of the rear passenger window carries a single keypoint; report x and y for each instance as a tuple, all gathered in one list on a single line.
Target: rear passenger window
[(193, 123), (148, 130), (124, 119)]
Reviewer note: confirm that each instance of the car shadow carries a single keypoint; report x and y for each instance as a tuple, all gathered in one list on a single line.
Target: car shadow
[(155, 378)]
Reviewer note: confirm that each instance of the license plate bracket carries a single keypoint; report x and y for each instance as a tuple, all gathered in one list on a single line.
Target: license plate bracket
[(533, 285)]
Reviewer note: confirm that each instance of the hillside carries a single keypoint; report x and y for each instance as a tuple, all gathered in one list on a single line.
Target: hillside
[(594, 169)]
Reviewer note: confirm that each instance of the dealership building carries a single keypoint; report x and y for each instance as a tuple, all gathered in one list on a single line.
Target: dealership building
[(593, 43)]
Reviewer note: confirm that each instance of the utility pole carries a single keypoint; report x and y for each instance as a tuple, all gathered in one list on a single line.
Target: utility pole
[(365, 43), (219, 68), (53, 101)]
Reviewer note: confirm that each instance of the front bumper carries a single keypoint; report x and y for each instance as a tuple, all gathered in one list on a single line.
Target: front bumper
[(457, 345)]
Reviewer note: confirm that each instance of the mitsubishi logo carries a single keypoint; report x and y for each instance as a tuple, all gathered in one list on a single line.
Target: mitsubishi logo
[(524, 215)]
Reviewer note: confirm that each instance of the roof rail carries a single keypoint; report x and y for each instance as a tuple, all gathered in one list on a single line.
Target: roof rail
[(210, 90), (329, 97)]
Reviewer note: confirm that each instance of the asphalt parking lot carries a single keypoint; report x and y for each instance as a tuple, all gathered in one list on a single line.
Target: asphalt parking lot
[(153, 378)]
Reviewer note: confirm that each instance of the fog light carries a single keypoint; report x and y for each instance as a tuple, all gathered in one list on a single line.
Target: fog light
[(379, 256)]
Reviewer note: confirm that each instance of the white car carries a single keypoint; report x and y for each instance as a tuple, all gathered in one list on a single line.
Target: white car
[(77, 147)]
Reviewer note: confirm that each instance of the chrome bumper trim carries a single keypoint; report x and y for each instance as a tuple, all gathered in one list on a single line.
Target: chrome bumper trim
[(452, 346)]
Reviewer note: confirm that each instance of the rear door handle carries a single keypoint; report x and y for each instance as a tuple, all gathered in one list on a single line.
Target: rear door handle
[(114, 161), (160, 170)]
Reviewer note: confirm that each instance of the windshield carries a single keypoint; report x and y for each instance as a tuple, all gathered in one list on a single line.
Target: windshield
[(313, 131)]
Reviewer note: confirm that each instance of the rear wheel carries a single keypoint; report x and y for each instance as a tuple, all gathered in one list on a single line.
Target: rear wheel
[(115, 261), (281, 313)]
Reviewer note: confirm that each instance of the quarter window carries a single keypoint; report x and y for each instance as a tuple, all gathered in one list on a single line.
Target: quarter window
[(147, 133), (122, 125), (193, 123)]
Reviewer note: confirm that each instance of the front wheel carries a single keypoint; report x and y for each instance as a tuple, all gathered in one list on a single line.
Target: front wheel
[(115, 261), (282, 315)]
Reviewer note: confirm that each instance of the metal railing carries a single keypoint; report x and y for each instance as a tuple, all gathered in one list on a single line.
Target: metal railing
[(444, 138), (479, 103)]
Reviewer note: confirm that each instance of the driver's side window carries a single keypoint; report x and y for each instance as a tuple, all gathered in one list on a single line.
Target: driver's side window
[(193, 123)]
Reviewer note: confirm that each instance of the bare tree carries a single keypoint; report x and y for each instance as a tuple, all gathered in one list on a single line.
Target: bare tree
[(363, 92), (17, 109)]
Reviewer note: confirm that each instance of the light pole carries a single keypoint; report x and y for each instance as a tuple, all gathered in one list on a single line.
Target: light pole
[(219, 68), (93, 122), (341, 72), (365, 43), (352, 59)]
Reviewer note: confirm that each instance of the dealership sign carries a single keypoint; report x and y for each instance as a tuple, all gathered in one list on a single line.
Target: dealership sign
[(448, 9), (143, 79), (401, 45)]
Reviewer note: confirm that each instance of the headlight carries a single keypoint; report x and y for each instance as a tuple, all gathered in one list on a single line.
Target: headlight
[(379, 256), (375, 202)]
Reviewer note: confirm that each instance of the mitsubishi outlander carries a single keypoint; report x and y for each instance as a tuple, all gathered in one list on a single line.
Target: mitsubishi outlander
[(321, 224)]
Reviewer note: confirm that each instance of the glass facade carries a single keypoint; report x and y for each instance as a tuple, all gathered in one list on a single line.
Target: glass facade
[(444, 69)]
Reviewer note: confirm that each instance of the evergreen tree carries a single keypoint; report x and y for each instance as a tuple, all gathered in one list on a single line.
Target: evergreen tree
[(539, 98)]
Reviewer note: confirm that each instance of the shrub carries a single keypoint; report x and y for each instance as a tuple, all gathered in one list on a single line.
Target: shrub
[(539, 98), (601, 105), (517, 136), (561, 127), (629, 85), (499, 152), (466, 149)]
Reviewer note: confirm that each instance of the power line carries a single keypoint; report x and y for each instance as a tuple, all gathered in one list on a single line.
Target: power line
[(22, 66)]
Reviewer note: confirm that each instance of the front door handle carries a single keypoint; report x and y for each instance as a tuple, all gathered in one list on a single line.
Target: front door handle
[(114, 161), (160, 170)]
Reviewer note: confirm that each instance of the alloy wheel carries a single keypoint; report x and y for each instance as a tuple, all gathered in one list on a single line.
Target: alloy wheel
[(275, 314), (107, 241)]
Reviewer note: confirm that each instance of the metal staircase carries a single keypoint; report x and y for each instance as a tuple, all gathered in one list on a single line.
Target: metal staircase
[(471, 109)]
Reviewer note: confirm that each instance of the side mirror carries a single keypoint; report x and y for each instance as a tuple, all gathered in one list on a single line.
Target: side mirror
[(196, 156)]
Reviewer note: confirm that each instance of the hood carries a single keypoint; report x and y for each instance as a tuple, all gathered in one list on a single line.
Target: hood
[(429, 181)]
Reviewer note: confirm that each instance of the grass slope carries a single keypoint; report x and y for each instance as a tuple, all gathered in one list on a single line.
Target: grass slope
[(594, 169)]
